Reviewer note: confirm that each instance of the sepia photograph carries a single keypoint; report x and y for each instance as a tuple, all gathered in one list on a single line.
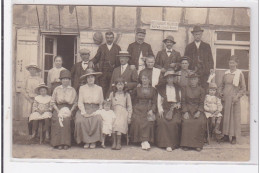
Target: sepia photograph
[(133, 83)]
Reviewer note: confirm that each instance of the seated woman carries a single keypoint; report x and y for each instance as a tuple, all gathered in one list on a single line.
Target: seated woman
[(194, 120), (168, 126), (232, 88), (88, 126), (142, 126), (63, 97)]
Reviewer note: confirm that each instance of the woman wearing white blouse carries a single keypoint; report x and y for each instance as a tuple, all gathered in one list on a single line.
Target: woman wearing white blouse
[(169, 120), (88, 127), (53, 79)]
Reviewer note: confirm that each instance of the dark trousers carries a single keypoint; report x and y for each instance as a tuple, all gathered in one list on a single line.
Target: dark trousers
[(104, 82)]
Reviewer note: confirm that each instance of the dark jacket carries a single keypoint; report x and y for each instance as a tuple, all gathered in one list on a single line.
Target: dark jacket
[(163, 60), (135, 49), (107, 59), (201, 58)]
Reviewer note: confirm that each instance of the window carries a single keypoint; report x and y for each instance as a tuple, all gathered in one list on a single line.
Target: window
[(233, 43)]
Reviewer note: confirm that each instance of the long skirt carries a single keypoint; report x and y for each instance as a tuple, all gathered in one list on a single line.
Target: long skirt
[(88, 129), (168, 131), (60, 135), (141, 129), (193, 132)]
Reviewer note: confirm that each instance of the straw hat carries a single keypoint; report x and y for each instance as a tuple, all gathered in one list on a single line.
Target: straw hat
[(170, 71), (41, 85), (89, 72), (124, 53), (33, 65)]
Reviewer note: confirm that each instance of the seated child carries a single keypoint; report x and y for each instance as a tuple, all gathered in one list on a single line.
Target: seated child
[(41, 111), (213, 107), (108, 117)]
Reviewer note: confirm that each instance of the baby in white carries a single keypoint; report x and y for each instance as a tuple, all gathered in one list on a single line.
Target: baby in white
[(108, 117), (213, 107)]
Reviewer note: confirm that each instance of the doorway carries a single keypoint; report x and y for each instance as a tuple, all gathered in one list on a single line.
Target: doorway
[(63, 45)]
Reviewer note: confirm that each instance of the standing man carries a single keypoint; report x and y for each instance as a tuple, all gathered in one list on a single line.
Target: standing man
[(168, 57), (129, 75), (201, 56), (79, 68), (138, 50), (107, 59)]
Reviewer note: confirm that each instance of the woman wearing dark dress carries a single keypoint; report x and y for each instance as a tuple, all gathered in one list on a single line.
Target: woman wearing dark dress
[(194, 120), (63, 96), (142, 126), (168, 126)]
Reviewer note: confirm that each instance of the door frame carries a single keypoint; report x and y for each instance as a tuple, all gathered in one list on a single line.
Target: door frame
[(42, 47)]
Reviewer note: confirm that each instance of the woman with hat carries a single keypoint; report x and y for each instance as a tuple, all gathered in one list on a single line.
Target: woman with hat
[(168, 126), (233, 87), (41, 110), (88, 127), (194, 120), (183, 73), (64, 97), (31, 83), (53, 79), (168, 57), (144, 109)]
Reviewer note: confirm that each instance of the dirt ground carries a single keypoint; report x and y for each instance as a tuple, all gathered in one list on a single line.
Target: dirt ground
[(214, 152)]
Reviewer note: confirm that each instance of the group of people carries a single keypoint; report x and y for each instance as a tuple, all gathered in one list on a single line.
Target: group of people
[(164, 100)]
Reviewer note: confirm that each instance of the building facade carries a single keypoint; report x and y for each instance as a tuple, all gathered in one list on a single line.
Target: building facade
[(42, 31)]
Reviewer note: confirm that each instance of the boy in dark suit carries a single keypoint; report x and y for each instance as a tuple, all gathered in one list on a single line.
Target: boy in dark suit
[(201, 56), (168, 57)]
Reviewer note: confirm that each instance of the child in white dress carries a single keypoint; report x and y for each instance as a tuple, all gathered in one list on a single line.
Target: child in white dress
[(108, 117), (213, 107), (41, 111)]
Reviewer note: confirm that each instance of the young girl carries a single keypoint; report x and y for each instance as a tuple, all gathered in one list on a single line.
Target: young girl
[(108, 117), (41, 111), (213, 107), (31, 83), (122, 106)]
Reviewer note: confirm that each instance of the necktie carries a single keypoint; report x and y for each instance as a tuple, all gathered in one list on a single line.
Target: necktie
[(122, 69)]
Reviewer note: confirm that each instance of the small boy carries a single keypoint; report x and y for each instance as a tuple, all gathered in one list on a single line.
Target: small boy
[(108, 117), (213, 107)]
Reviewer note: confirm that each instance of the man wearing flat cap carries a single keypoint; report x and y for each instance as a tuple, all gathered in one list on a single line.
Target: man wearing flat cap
[(168, 57), (107, 60), (201, 56), (138, 50), (80, 68)]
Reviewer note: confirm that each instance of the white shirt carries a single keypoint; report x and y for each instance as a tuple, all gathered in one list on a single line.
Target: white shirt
[(123, 67), (84, 66), (167, 51), (109, 46), (197, 44)]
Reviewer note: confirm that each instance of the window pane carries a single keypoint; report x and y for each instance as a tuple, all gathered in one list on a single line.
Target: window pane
[(242, 36), (222, 58), (48, 62), (224, 36), (48, 45), (243, 56), (45, 77)]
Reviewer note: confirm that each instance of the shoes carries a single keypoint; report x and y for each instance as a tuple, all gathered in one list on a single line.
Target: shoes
[(198, 149), (185, 148), (224, 139), (86, 146), (217, 132), (93, 145), (66, 147), (169, 149), (145, 145), (233, 141), (60, 147), (118, 142), (103, 146), (114, 141)]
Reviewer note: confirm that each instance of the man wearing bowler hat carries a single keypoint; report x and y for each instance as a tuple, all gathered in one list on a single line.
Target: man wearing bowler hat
[(80, 68), (107, 59), (201, 56), (129, 75), (168, 57), (138, 50)]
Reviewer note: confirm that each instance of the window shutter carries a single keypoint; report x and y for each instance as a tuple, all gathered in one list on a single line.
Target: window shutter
[(27, 52), (87, 42)]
